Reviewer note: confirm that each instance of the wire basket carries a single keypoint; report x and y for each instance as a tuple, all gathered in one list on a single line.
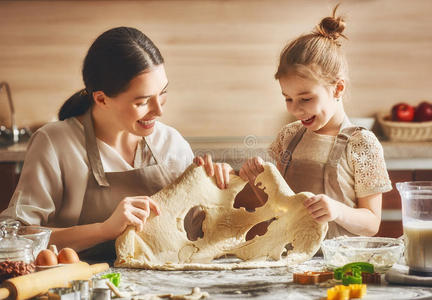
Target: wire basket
[(405, 131)]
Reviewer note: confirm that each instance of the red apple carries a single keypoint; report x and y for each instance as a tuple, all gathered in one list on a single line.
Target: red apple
[(423, 112), (403, 112)]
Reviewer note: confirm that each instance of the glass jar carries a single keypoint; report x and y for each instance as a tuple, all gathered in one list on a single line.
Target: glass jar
[(417, 225), (16, 253)]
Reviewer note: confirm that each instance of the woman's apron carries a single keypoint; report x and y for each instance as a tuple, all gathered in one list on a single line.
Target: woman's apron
[(317, 177), (105, 190)]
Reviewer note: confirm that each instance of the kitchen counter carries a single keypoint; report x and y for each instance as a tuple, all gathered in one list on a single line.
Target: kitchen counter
[(234, 150), (267, 283), (13, 153)]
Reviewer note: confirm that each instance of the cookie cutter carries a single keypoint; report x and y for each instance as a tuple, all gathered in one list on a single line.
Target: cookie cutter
[(312, 277)]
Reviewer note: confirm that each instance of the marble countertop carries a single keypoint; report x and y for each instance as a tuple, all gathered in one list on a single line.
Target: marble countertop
[(266, 283), (234, 150)]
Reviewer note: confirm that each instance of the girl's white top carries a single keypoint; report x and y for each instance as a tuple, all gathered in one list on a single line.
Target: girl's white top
[(362, 170)]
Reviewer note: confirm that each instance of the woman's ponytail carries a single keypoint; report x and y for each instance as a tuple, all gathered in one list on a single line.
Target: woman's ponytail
[(76, 105)]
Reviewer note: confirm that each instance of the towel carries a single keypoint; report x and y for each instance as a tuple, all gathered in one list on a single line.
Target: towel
[(399, 274)]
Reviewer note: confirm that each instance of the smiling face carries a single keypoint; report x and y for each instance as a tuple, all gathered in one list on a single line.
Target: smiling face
[(136, 109), (313, 103)]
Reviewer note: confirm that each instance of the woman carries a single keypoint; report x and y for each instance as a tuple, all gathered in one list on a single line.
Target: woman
[(90, 175)]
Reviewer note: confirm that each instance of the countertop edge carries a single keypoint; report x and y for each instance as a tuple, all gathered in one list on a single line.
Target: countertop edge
[(233, 150)]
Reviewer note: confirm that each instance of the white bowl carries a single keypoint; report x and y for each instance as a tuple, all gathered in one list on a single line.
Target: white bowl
[(381, 252)]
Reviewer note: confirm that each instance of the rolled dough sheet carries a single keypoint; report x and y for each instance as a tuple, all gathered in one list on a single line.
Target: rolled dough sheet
[(163, 244)]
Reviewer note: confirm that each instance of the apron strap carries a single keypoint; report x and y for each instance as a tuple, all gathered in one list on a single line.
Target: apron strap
[(139, 154), (152, 152), (287, 156), (340, 144), (93, 154), (158, 160), (331, 183)]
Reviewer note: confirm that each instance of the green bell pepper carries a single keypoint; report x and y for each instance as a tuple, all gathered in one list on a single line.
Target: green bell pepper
[(355, 278), (356, 270), (113, 277)]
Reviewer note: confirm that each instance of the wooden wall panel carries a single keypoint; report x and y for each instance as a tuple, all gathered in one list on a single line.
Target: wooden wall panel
[(423, 175), (221, 55), (392, 199), (392, 229), (9, 179)]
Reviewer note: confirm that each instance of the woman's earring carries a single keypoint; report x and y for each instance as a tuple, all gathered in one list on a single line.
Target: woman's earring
[(338, 99)]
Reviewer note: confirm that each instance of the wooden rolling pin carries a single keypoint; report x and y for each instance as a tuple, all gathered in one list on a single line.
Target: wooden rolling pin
[(31, 285)]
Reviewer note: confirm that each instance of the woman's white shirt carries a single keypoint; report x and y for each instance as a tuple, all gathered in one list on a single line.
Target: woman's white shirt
[(56, 169)]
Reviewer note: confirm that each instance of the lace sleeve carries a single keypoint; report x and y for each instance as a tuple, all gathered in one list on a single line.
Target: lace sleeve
[(367, 158), (279, 145)]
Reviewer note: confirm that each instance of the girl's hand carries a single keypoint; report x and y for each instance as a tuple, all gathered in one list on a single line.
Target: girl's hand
[(220, 170), (130, 211), (322, 208), (251, 169)]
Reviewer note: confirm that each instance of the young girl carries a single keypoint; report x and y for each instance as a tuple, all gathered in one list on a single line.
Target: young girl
[(323, 152)]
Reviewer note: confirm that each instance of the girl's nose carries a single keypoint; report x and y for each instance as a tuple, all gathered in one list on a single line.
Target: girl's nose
[(156, 106), (295, 107)]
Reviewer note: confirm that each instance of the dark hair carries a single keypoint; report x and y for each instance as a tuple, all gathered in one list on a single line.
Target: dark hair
[(113, 60)]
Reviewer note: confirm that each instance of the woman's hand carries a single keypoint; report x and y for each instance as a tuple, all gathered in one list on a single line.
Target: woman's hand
[(130, 211), (251, 169), (220, 170), (323, 208)]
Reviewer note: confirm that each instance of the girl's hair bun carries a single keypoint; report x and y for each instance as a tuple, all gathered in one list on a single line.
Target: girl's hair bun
[(331, 27)]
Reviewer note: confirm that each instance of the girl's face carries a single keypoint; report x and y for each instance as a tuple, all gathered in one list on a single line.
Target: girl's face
[(313, 103), (136, 109)]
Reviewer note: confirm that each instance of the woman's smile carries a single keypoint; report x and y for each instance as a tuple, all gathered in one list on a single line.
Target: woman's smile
[(146, 124)]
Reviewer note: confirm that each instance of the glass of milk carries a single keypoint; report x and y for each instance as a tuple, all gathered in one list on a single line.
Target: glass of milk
[(417, 225)]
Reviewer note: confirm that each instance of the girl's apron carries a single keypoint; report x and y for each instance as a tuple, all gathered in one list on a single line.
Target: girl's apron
[(105, 190), (317, 177)]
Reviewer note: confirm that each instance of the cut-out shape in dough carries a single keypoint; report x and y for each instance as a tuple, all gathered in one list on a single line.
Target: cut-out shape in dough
[(258, 229), (248, 199), (193, 223), (163, 243), (288, 247)]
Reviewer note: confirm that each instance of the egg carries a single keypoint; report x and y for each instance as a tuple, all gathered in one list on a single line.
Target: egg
[(46, 258), (67, 256)]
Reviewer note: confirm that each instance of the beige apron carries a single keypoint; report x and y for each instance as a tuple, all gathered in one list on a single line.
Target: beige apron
[(105, 190), (320, 178)]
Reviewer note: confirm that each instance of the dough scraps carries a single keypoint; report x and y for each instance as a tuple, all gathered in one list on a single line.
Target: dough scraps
[(164, 245)]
